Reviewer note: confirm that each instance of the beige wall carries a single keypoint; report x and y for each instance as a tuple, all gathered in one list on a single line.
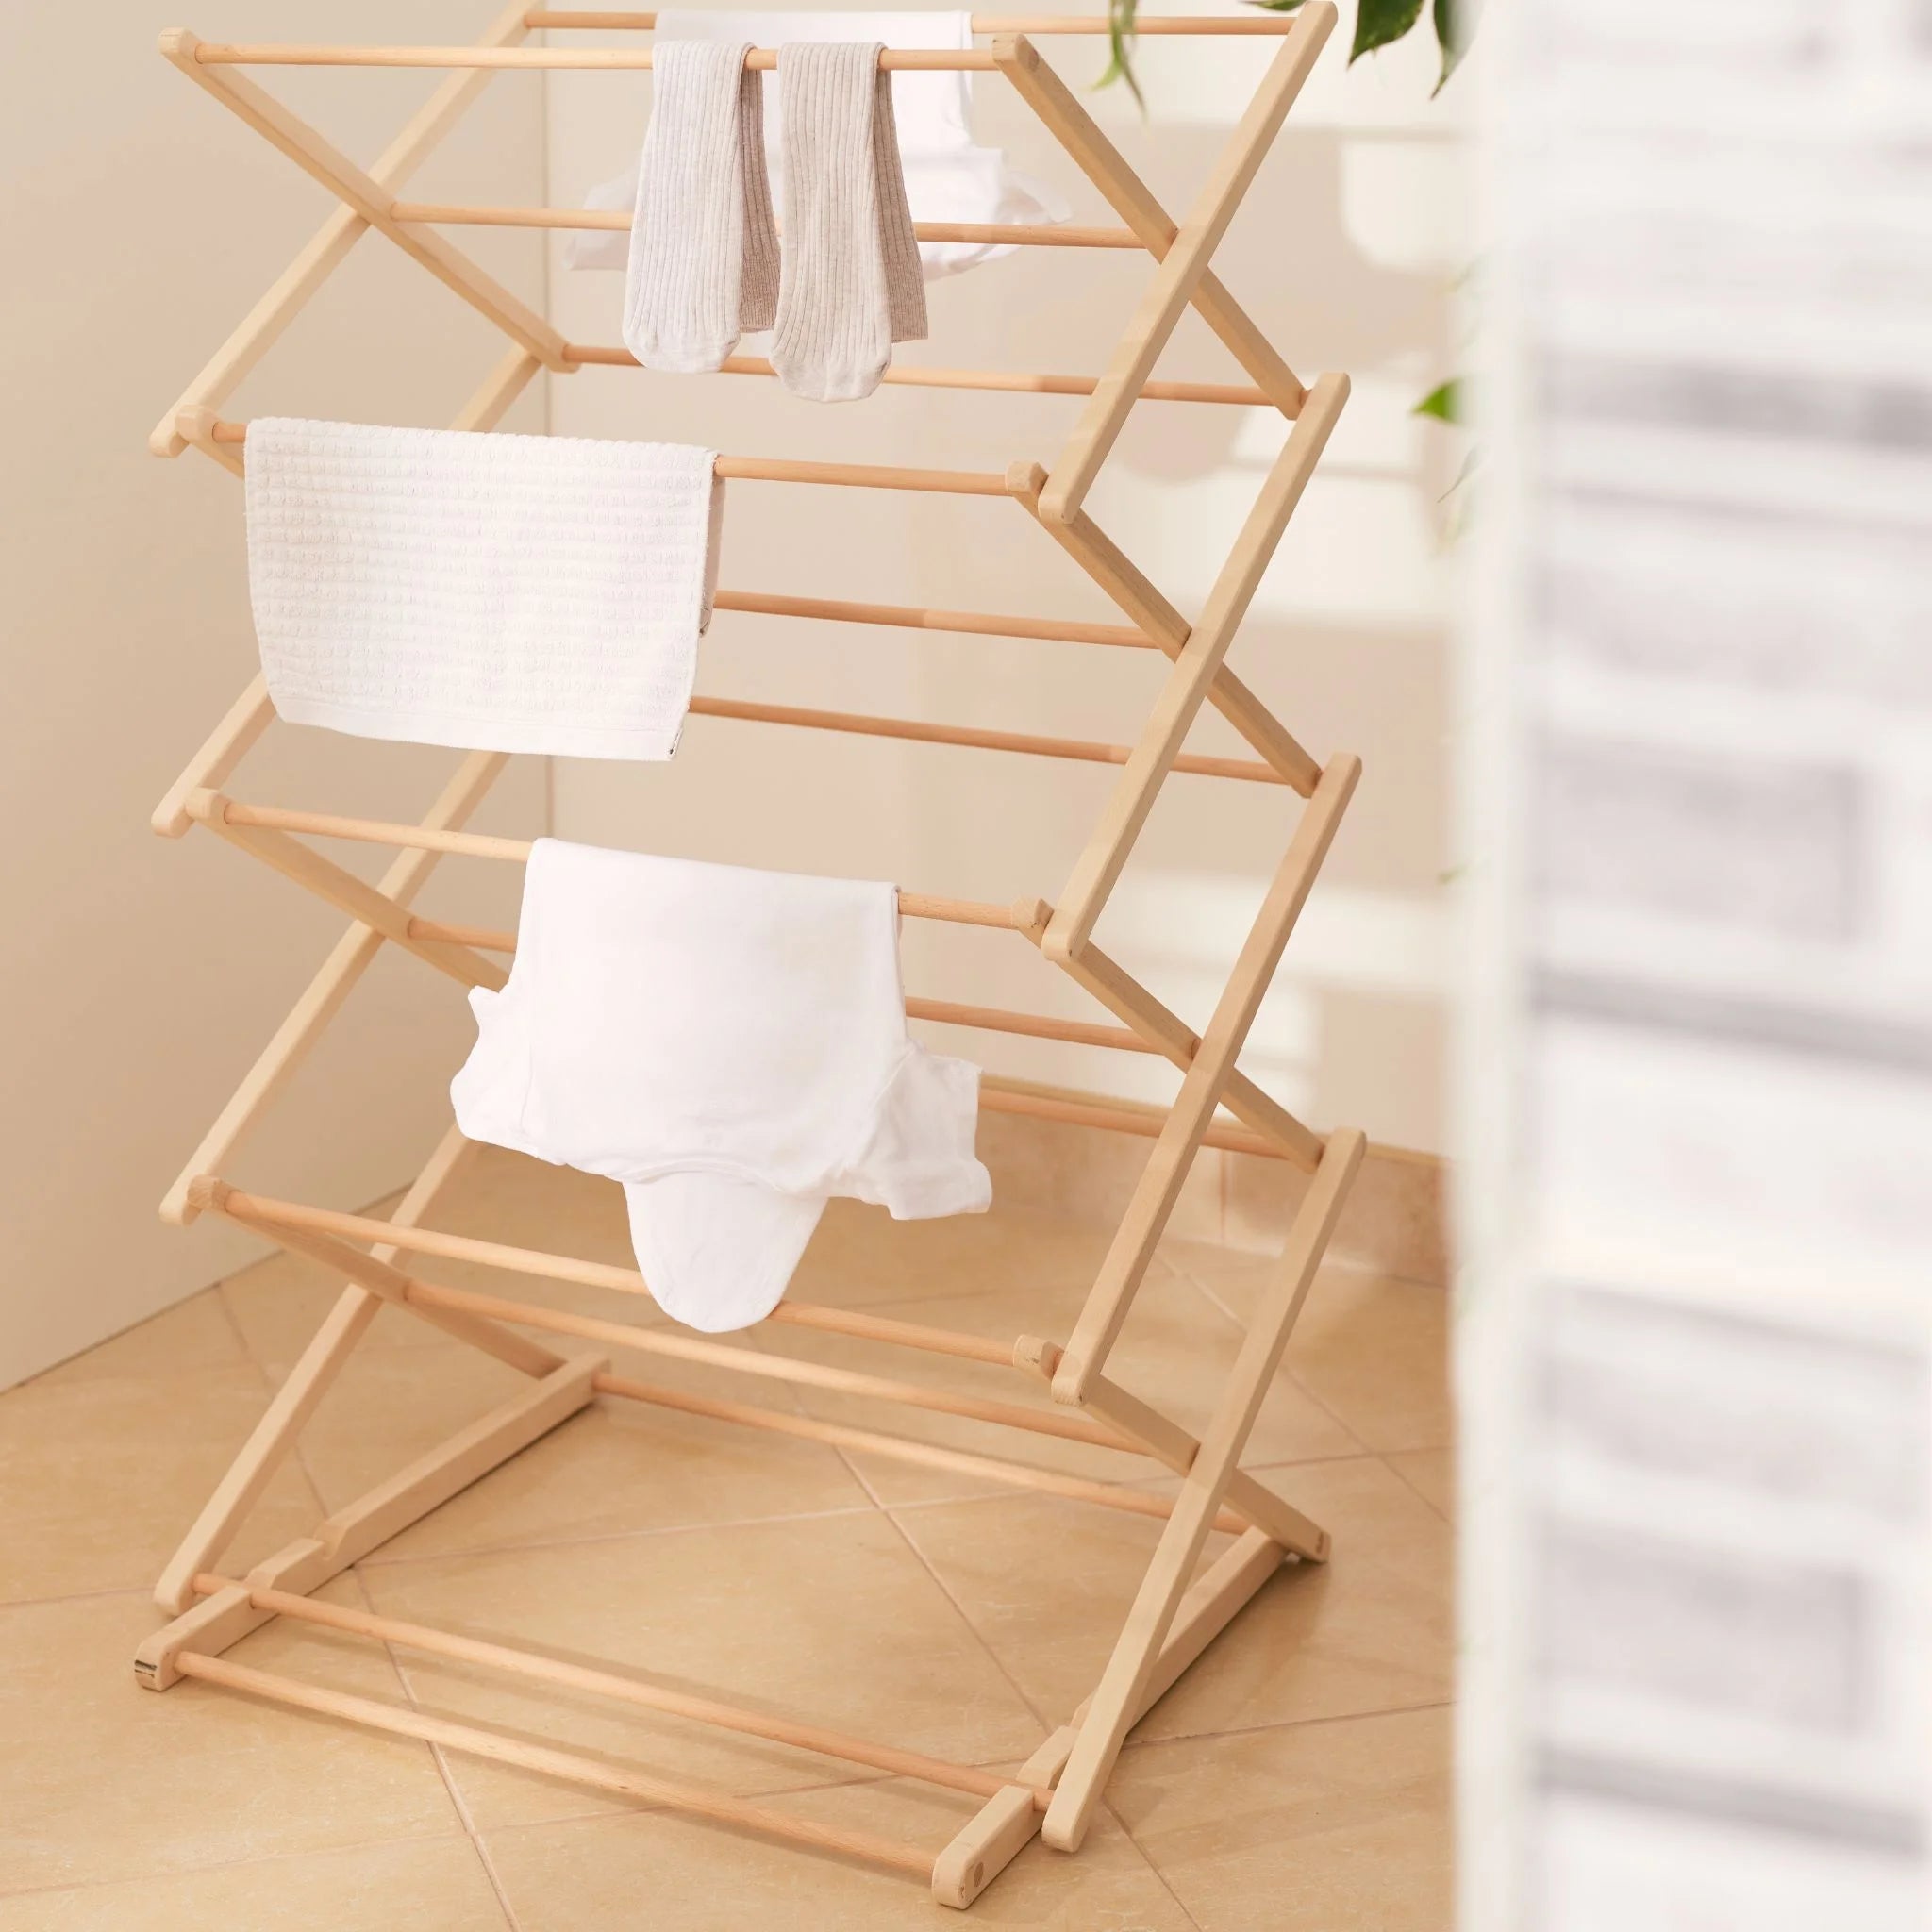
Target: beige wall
[(1345, 251), (140, 977)]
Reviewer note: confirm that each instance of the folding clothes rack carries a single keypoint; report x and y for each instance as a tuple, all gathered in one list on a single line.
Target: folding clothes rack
[(1175, 1614)]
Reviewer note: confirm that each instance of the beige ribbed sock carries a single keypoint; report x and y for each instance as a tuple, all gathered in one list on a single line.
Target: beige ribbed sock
[(704, 248), (849, 282)]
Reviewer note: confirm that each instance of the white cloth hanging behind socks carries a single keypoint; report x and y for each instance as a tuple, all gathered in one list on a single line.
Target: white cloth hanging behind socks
[(497, 592), (849, 287), (948, 179), (704, 247), (731, 1045)]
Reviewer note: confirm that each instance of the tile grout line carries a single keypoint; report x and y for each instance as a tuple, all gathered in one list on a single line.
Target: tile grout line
[(220, 1290), (186, 1872), (142, 1590), (439, 1758), (978, 1636), (972, 1630), (375, 1561), (1135, 1745), (1291, 1724), (1147, 1858), (1286, 1371), (1389, 1462)]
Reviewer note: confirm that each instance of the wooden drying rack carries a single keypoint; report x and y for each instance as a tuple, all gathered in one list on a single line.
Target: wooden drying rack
[(1175, 1613)]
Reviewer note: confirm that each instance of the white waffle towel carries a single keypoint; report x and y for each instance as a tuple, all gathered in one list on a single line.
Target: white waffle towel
[(527, 593)]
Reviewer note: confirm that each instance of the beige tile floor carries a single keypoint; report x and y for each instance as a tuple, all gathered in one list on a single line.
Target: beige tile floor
[(1295, 1781)]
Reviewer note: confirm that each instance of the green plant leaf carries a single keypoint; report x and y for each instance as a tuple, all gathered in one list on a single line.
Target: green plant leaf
[(1452, 36), (1381, 22), (1120, 65), (1277, 5), (1443, 402)]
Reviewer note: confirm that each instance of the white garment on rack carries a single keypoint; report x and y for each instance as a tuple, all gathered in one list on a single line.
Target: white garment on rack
[(496, 592), (731, 1045), (948, 179)]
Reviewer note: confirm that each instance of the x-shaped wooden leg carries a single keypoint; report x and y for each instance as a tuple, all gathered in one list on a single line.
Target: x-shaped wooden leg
[(1183, 264), (366, 197), (1117, 1699), (330, 244), (1098, 159)]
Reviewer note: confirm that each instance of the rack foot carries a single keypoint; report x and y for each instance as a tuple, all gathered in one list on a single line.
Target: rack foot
[(207, 1628)]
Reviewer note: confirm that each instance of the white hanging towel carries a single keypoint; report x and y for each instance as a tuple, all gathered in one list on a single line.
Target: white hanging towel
[(731, 1045), (496, 592), (948, 179)]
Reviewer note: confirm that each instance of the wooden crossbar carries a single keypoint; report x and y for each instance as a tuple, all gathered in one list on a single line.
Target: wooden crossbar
[(1017, 1476), (912, 376), (1038, 1101), (1191, 24), (615, 220), (1073, 1397), (780, 470), (502, 1747), (625, 59), (241, 821), (280, 1217), (946, 1013), (917, 730), (515, 1661), (917, 617), (676, 1346)]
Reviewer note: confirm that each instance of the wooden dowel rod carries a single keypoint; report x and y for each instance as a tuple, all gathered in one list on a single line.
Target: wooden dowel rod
[(1118, 1116), (775, 470), (1080, 750), (1018, 381), (893, 1332), (616, 221), (1018, 1475), (1244, 23), (215, 808), (488, 939), (502, 1748), (492, 939), (677, 1345), (549, 1670), (1033, 1026), (282, 54), (915, 617), (457, 1247), (863, 477)]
